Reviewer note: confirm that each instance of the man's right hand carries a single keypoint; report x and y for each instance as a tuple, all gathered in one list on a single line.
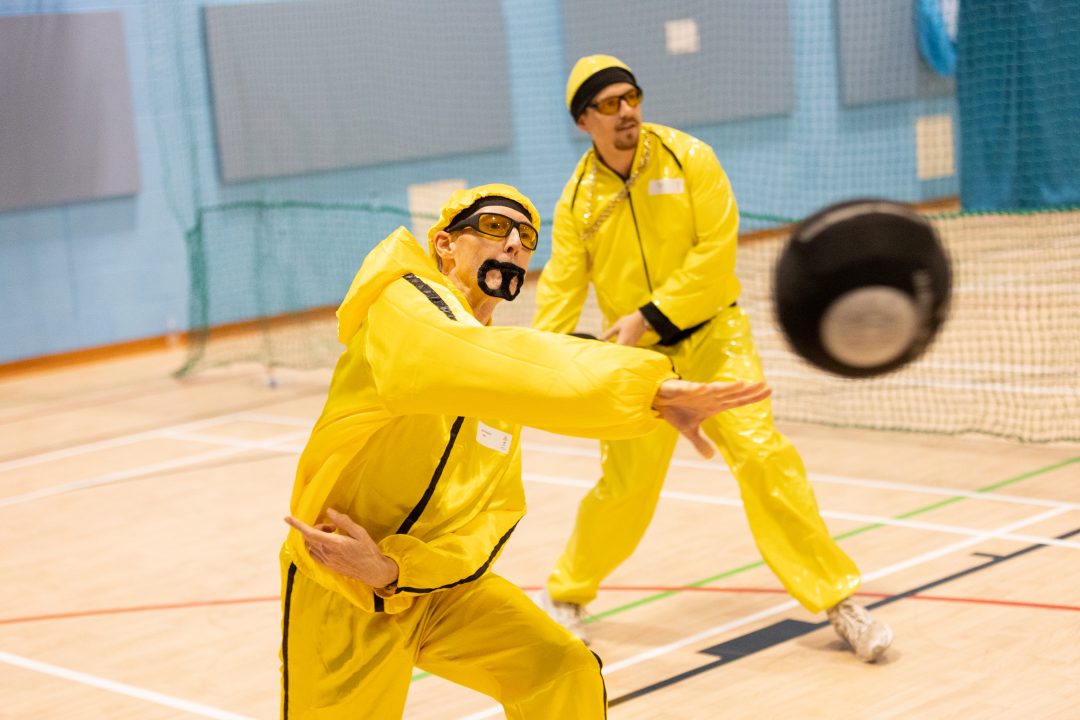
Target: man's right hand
[(687, 404), (351, 552)]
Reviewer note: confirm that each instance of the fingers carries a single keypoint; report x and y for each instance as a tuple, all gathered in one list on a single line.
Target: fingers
[(609, 333), (680, 392), (346, 523), (713, 397), (300, 525), (700, 442), (742, 393), (317, 541)]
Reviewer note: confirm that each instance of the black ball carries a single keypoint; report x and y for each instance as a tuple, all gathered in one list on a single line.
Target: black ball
[(862, 287)]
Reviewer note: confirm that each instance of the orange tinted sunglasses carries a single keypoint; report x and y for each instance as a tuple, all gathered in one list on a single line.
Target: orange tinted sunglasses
[(610, 106)]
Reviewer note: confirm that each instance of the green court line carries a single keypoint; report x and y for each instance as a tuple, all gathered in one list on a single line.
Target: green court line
[(850, 533)]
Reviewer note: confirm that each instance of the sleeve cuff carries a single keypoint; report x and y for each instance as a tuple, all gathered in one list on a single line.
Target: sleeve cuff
[(659, 322)]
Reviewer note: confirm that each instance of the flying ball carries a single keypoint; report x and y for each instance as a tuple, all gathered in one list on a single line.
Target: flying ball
[(862, 287)]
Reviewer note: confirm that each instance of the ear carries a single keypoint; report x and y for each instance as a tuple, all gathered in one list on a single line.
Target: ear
[(580, 122), (444, 249)]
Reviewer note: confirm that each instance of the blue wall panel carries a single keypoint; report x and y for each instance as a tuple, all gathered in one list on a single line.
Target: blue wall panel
[(106, 271), (309, 86)]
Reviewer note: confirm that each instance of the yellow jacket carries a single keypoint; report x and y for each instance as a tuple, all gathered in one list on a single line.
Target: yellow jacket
[(667, 249), (419, 438)]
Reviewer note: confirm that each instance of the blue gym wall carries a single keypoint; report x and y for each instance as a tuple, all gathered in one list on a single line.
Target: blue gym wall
[(100, 272)]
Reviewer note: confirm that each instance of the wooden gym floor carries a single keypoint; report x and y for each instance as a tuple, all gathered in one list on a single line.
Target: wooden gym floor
[(140, 520)]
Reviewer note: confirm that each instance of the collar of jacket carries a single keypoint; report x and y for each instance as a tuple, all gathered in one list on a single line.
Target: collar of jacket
[(642, 139)]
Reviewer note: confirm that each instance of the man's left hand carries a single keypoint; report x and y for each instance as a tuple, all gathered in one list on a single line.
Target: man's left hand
[(627, 330)]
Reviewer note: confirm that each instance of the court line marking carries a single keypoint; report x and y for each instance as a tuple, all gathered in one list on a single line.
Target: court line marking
[(199, 604), (269, 418), (790, 604), (235, 446), (186, 432), (825, 478), (120, 688), (111, 443), (834, 514), (795, 628), (110, 396), (564, 481), (157, 433), (232, 448), (274, 444)]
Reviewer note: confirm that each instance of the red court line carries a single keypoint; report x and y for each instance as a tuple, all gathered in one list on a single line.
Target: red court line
[(138, 608), (611, 588)]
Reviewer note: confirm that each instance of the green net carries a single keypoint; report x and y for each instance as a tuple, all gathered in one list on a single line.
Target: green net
[(841, 105)]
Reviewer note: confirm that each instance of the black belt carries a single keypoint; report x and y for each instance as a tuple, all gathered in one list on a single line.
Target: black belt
[(683, 334)]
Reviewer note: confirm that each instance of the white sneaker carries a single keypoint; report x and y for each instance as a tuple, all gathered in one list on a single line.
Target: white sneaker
[(570, 615), (868, 637)]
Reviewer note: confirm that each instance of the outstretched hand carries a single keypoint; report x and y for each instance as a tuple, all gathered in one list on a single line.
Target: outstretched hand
[(353, 554), (687, 404)]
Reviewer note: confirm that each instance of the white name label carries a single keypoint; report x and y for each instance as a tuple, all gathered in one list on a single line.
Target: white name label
[(489, 437), (666, 186)]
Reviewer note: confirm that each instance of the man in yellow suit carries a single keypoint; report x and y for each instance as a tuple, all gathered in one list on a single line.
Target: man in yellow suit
[(649, 218), (410, 484)]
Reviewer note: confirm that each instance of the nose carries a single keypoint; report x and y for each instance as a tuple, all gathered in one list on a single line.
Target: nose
[(513, 242)]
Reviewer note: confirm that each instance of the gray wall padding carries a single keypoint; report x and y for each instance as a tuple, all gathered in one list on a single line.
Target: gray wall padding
[(310, 86), (879, 54), (743, 68), (67, 130)]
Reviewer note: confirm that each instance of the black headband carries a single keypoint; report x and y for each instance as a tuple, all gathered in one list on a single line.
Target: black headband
[(490, 200), (597, 82)]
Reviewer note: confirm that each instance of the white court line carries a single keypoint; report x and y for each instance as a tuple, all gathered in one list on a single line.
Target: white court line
[(233, 448), (720, 467), (826, 479), (276, 447), (120, 688), (231, 441), (76, 450), (782, 607), (832, 514), (165, 432), (277, 420), (1058, 391)]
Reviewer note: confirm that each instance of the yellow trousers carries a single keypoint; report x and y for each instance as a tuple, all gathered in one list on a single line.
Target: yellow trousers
[(779, 502), (341, 662)]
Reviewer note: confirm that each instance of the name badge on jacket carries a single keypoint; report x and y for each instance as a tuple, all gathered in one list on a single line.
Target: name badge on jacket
[(666, 186), (491, 438)]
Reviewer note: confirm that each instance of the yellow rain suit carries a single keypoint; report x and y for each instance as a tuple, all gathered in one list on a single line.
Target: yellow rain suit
[(668, 249), (419, 444)]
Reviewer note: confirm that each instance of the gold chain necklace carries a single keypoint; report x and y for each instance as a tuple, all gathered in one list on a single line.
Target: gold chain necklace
[(624, 192)]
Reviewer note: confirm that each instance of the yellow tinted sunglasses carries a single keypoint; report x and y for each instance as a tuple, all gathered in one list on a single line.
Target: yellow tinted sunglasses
[(610, 106), (498, 226)]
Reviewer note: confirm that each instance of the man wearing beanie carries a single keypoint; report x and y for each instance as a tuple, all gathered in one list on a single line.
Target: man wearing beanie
[(649, 218), (410, 483)]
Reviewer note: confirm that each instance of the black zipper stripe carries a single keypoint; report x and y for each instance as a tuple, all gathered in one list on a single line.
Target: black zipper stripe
[(430, 294), (407, 524), (602, 683), (664, 145), (641, 247), (285, 643), (480, 571), (577, 187)]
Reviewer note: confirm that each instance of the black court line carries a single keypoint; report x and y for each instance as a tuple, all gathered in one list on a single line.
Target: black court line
[(785, 630)]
